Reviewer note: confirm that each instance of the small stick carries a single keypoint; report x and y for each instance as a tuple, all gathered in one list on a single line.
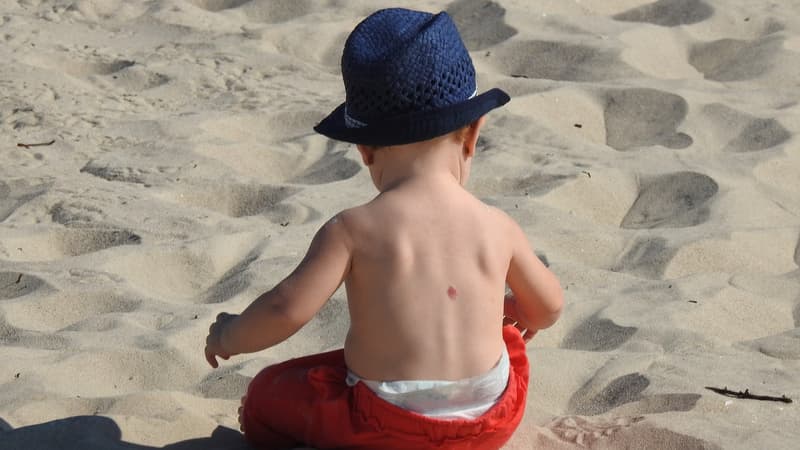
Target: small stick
[(39, 144), (747, 395), (19, 278)]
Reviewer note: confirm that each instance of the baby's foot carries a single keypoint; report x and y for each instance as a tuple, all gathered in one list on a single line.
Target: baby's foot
[(241, 411)]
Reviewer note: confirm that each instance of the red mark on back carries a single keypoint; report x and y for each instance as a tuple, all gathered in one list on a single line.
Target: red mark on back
[(452, 293)]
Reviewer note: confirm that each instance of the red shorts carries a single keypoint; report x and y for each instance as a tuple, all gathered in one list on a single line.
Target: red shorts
[(306, 401)]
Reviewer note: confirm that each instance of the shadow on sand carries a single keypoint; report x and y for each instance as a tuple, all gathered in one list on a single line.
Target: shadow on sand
[(102, 433)]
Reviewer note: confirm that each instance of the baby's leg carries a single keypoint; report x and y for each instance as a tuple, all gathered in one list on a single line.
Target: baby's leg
[(285, 404)]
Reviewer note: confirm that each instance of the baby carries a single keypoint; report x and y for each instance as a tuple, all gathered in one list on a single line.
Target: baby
[(435, 355)]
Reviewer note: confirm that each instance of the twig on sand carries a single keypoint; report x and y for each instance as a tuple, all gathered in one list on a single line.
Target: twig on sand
[(747, 395), (40, 144), (19, 278)]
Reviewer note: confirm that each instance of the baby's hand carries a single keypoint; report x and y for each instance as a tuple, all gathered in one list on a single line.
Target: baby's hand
[(214, 340), (510, 317)]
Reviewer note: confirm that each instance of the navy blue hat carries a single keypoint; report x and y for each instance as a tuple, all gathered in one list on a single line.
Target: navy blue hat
[(408, 77)]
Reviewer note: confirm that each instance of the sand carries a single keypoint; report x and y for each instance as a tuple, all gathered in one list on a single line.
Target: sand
[(650, 153)]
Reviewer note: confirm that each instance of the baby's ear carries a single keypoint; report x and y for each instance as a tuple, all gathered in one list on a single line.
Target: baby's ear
[(367, 154), (471, 136)]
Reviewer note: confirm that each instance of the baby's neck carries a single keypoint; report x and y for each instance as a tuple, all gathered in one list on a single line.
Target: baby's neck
[(420, 162), (423, 180)]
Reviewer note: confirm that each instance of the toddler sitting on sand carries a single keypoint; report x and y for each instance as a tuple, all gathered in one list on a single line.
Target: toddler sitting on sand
[(435, 355)]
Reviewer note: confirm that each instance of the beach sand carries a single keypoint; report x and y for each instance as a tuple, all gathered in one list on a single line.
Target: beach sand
[(650, 152)]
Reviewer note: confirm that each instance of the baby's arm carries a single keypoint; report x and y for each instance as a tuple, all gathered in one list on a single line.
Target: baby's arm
[(538, 298), (282, 311)]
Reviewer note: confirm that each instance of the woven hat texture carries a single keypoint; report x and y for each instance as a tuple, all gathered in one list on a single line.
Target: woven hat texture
[(408, 77)]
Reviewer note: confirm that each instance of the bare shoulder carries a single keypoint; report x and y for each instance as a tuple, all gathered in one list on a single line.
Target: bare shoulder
[(351, 222), (503, 222), (381, 213), (338, 228), (352, 218)]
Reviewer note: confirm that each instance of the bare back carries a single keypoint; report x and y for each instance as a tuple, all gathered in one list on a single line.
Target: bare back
[(426, 283)]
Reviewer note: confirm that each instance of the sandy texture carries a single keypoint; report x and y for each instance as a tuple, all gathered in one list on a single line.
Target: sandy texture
[(650, 152)]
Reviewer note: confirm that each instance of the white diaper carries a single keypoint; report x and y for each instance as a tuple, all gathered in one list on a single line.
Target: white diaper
[(463, 399)]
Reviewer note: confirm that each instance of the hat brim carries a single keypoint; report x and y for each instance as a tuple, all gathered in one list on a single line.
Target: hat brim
[(412, 127)]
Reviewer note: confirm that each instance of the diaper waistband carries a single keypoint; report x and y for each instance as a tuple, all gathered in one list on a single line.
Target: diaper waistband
[(467, 398)]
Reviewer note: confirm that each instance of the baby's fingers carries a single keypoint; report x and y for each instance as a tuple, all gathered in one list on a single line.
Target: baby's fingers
[(211, 358)]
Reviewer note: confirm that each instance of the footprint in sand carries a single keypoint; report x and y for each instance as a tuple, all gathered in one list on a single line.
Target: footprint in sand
[(218, 5), (754, 133), (759, 134), (642, 117), (585, 432), (74, 242), (613, 433), (102, 169), (480, 23), (734, 59), (137, 78), (597, 334), (647, 257), (674, 200), (76, 213), (538, 183), (106, 10), (96, 324), (625, 389), (669, 13), (559, 61), (15, 193), (14, 116), (594, 399)]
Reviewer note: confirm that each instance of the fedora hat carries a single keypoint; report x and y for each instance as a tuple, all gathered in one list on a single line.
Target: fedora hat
[(408, 77)]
